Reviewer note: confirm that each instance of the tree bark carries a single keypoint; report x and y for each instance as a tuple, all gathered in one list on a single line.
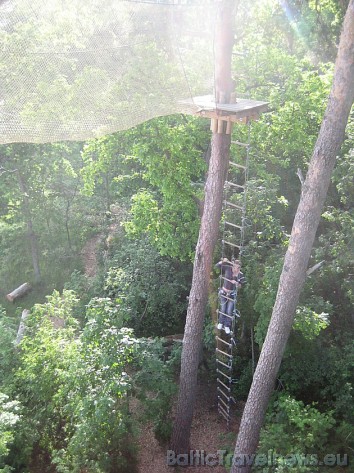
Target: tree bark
[(305, 225), (208, 236)]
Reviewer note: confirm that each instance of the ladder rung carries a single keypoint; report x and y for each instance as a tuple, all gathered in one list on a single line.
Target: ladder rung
[(223, 353), (226, 315), (224, 374), (231, 244), (227, 298), (235, 206), (225, 414), (237, 165), (224, 403), (228, 183), (239, 143), (233, 225), (223, 384), (224, 364), (225, 279), (222, 392), (237, 314), (223, 341)]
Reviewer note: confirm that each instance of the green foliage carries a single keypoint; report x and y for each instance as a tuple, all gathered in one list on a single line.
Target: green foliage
[(170, 152), (46, 355), (7, 353), (314, 370), (39, 202), (110, 169), (242, 371), (209, 334), (264, 211), (70, 386), (310, 323), (152, 288), (266, 297), (100, 430), (14, 255), (154, 386), (295, 428), (152, 164), (337, 390), (76, 388), (9, 418)]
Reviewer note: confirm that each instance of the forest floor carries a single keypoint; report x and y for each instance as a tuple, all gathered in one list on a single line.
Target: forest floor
[(209, 434), (89, 255)]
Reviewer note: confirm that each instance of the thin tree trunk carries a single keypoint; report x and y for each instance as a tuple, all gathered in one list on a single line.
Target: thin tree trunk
[(67, 210), (30, 233), (302, 237), (22, 326), (208, 236)]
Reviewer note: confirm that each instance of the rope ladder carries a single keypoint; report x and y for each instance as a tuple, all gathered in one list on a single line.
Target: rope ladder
[(233, 239)]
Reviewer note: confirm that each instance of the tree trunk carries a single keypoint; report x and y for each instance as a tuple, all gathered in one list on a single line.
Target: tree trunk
[(302, 237), (67, 210), (208, 236), (30, 233), (22, 326)]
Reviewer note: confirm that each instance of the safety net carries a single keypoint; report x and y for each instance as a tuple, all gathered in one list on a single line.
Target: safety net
[(77, 69)]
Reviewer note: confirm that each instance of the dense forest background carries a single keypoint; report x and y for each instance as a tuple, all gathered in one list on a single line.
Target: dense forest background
[(105, 231)]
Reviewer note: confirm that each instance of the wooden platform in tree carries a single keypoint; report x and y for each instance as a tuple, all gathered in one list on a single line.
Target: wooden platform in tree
[(241, 111)]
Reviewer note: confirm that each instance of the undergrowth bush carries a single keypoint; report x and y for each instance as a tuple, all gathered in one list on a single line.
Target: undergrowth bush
[(9, 418), (293, 428), (152, 288), (76, 388)]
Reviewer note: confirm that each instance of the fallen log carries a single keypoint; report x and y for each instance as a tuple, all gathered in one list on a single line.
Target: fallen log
[(19, 292), (22, 326)]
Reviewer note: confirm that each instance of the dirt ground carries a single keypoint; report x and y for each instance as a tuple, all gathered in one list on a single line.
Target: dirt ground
[(209, 434), (89, 255)]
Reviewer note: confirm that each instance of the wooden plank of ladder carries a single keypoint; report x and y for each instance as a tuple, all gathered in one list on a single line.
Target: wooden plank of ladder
[(223, 353), (227, 298), (224, 413), (239, 207), (238, 186), (233, 225), (231, 244), (223, 341), (226, 315), (226, 279), (223, 384), (237, 165), (222, 392), (245, 145), (224, 403), (224, 364), (224, 374)]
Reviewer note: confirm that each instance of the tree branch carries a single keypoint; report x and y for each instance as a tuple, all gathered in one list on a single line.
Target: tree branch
[(314, 268), (300, 176)]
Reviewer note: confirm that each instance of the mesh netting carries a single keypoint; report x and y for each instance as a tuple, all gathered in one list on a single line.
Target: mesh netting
[(76, 69)]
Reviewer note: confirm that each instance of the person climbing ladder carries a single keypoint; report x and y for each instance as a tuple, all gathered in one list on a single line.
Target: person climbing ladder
[(233, 279)]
